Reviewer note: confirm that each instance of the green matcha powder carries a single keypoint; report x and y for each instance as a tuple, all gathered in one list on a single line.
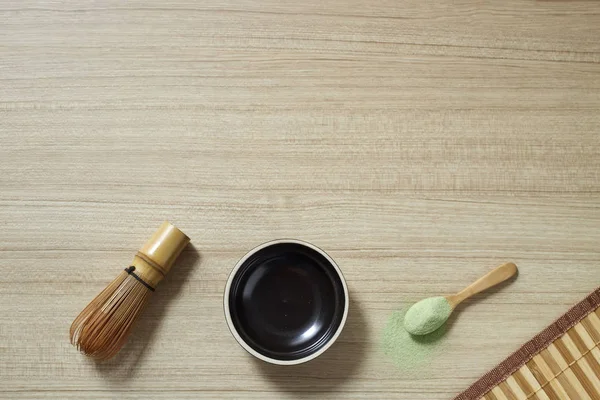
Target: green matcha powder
[(408, 351)]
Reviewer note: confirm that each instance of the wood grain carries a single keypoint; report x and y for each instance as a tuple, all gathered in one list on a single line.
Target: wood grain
[(418, 143)]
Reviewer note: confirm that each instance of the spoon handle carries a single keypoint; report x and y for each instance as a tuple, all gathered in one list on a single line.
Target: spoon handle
[(492, 278)]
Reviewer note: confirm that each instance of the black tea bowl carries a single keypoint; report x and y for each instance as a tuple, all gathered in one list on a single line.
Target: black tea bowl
[(286, 302)]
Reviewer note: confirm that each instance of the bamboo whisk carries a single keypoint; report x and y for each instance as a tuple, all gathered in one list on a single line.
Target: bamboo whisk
[(102, 328)]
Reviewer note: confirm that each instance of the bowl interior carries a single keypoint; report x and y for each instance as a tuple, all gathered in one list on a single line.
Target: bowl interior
[(286, 301)]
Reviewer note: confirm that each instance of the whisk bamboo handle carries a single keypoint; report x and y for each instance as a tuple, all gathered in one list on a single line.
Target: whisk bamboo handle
[(165, 245), (155, 259)]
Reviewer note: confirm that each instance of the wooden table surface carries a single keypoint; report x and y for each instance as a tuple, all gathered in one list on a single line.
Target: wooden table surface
[(419, 143)]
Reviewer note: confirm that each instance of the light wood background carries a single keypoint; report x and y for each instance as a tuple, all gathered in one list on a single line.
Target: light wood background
[(419, 143)]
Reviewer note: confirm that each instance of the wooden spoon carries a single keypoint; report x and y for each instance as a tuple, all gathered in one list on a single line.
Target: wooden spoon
[(429, 314)]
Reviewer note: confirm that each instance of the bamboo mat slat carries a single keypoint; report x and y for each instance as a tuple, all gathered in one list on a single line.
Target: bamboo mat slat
[(560, 363)]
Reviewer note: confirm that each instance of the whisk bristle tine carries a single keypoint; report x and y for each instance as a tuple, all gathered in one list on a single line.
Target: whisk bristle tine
[(102, 328)]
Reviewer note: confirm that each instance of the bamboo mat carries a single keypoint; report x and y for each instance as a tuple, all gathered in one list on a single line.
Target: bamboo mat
[(562, 362)]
